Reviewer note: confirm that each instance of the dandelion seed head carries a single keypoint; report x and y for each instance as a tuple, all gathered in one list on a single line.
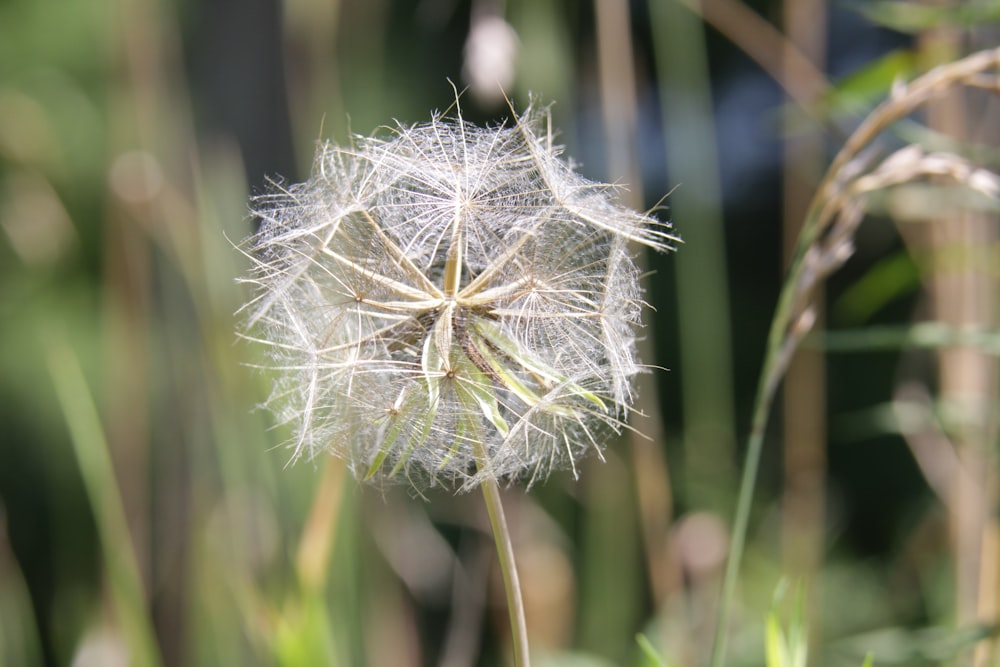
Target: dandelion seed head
[(443, 302)]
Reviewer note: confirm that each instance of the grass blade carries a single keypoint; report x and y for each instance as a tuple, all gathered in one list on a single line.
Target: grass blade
[(91, 449)]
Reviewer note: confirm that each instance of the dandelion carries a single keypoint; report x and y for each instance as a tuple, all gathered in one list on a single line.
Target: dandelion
[(445, 303), (449, 304)]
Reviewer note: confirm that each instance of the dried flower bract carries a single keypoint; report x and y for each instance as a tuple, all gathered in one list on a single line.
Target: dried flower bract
[(448, 302)]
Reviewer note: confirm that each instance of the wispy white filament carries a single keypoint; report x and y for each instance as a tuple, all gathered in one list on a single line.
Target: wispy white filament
[(448, 302)]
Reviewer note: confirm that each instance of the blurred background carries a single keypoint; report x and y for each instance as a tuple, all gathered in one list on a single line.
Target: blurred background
[(148, 511)]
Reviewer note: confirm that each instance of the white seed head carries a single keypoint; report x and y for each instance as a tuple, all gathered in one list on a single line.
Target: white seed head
[(444, 302)]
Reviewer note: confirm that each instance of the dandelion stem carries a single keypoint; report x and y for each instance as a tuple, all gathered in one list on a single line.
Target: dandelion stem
[(511, 584)]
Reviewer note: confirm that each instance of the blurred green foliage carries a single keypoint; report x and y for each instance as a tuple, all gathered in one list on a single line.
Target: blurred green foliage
[(148, 514)]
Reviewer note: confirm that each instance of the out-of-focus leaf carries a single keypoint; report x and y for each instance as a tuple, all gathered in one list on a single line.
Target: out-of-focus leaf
[(935, 645), (776, 650), (19, 641), (922, 335), (786, 647), (912, 17), (651, 656), (303, 635), (97, 470), (571, 659), (863, 89), (888, 279)]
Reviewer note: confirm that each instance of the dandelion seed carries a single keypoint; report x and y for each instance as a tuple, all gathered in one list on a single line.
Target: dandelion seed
[(445, 302)]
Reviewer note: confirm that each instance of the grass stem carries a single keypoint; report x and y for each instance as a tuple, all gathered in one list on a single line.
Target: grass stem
[(787, 328), (97, 471)]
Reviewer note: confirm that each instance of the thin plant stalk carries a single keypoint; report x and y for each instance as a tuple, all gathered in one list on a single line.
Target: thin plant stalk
[(767, 46), (508, 568), (702, 291), (965, 296), (647, 496), (762, 408), (828, 220), (97, 471), (804, 413)]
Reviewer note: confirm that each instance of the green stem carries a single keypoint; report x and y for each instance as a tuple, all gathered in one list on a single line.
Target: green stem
[(97, 471), (780, 347), (511, 584), (762, 408), (702, 286)]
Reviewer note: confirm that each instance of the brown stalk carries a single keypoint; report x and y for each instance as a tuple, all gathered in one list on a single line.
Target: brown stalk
[(649, 467), (964, 296), (804, 414)]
